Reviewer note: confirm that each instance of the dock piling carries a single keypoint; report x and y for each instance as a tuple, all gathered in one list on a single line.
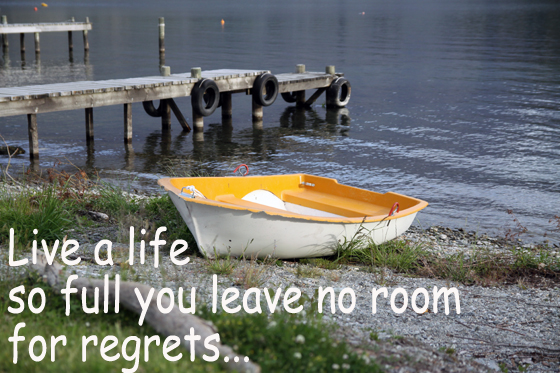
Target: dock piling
[(165, 109), (127, 123), (198, 120), (5, 43), (257, 112), (71, 44), (33, 136), (37, 44), (86, 41), (89, 124), (300, 95), (330, 70), (161, 41), (22, 46), (227, 109)]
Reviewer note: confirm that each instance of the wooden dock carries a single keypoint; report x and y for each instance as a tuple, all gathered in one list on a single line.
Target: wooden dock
[(38, 28), (208, 90)]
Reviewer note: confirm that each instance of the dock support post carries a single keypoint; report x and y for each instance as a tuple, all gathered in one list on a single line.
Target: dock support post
[(165, 116), (5, 36), (127, 123), (37, 43), (300, 95), (22, 46), (300, 98), (198, 121), (161, 41), (257, 112), (89, 124), (226, 105), (33, 136), (71, 44), (330, 70), (86, 42)]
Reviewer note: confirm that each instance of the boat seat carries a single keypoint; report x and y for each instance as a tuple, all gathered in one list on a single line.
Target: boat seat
[(344, 206), (231, 199)]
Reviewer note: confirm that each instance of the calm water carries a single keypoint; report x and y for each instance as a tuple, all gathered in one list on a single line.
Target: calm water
[(455, 102)]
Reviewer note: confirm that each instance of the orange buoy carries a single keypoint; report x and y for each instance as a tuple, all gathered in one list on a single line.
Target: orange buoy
[(223, 22), (35, 8), (44, 4)]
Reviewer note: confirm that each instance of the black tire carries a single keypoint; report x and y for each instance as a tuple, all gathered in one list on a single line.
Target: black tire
[(338, 93), (150, 109), (205, 97), (289, 97), (265, 89)]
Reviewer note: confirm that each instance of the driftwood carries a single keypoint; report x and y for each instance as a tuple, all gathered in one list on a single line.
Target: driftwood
[(173, 323)]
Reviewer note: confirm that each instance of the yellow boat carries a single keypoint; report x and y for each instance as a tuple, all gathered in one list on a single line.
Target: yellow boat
[(285, 216)]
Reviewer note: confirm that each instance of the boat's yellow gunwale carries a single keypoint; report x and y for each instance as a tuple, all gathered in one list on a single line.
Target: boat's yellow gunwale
[(168, 186)]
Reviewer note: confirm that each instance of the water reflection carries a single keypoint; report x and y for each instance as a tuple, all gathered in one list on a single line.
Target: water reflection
[(299, 117)]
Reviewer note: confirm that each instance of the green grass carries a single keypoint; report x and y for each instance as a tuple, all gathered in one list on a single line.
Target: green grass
[(53, 322), (28, 210), (220, 266), (396, 254), (480, 266), (289, 343), (281, 342), (113, 201), (163, 213)]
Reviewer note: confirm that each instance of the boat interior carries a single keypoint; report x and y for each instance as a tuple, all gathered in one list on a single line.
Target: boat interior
[(296, 194)]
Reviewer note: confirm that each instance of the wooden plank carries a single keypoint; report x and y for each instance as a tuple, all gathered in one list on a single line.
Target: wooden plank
[(19, 28), (61, 103), (314, 97), (182, 121)]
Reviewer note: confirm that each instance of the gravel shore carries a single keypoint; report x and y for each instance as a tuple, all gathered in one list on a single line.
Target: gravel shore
[(512, 327), (498, 328)]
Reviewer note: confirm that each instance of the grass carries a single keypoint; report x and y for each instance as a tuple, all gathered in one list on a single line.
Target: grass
[(480, 266), (41, 210), (308, 271), (61, 201), (252, 275), (53, 322), (221, 265), (280, 342)]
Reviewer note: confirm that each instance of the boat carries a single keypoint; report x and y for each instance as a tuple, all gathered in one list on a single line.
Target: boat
[(285, 216)]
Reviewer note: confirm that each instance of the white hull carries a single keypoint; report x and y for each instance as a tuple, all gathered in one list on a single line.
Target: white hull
[(222, 231)]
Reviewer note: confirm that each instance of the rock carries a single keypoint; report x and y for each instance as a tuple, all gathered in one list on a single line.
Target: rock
[(98, 215), (11, 150)]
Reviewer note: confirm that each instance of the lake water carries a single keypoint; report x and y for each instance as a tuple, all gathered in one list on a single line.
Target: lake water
[(456, 102)]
